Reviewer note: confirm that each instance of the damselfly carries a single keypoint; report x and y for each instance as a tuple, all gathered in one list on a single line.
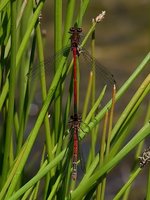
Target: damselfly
[(101, 74), (74, 129), (75, 119)]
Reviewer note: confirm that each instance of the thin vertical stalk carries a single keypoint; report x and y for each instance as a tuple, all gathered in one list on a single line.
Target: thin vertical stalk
[(42, 165), (100, 188), (82, 9), (93, 66), (68, 20), (28, 32), (48, 134), (22, 72), (49, 143), (109, 139), (4, 93), (128, 113), (33, 134), (31, 197), (55, 188), (111, 120), (11, 95), (57, 47), (87, 98), (25, 41), (22, 79), (21, 124), (27, 193), (93, 135), (95, 106)]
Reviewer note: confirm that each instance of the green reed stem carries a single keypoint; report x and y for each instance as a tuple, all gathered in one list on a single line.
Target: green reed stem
[(128, 113), (32, 136), (49, 142), (3, 4), (21, 115), (57, 47), (87, 98), (101, 188), (82, 9), (26, 39), (11, 95), (55, 187), (45, 169), (68, 20), (93, 135), (108, 139)]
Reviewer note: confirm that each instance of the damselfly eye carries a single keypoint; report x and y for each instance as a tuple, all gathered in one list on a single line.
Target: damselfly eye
[(79, 30), (72, 29), (72, 117)]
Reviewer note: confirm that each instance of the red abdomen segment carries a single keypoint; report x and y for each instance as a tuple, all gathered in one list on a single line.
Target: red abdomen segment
[(75, 154), (75, 79)]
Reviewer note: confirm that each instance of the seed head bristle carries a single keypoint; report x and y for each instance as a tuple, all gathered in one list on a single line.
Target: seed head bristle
[(100, 17)]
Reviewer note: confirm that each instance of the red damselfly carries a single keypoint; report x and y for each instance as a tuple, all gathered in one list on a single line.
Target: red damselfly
[(101, 73), (75, 119), (75, 40), (74, 129)]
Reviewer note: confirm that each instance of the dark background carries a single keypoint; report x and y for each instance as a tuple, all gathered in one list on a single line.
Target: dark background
[(122, 38)]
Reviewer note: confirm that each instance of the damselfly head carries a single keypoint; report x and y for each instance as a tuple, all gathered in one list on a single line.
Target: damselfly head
[(75, 30), (76, 117)]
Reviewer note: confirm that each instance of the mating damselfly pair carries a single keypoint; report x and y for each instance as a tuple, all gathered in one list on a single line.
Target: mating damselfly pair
[(79, 73)]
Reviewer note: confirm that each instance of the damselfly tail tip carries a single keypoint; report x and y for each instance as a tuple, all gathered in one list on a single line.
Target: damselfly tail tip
[(74, 176)]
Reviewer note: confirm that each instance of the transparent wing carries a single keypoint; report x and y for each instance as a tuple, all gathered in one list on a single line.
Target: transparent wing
[(101, 79), (48, 64), (100, 70)]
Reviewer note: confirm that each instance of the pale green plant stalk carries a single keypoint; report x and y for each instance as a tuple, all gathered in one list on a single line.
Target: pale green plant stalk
[(9, 120), (57, 47), (108, 139), (100, 188)]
